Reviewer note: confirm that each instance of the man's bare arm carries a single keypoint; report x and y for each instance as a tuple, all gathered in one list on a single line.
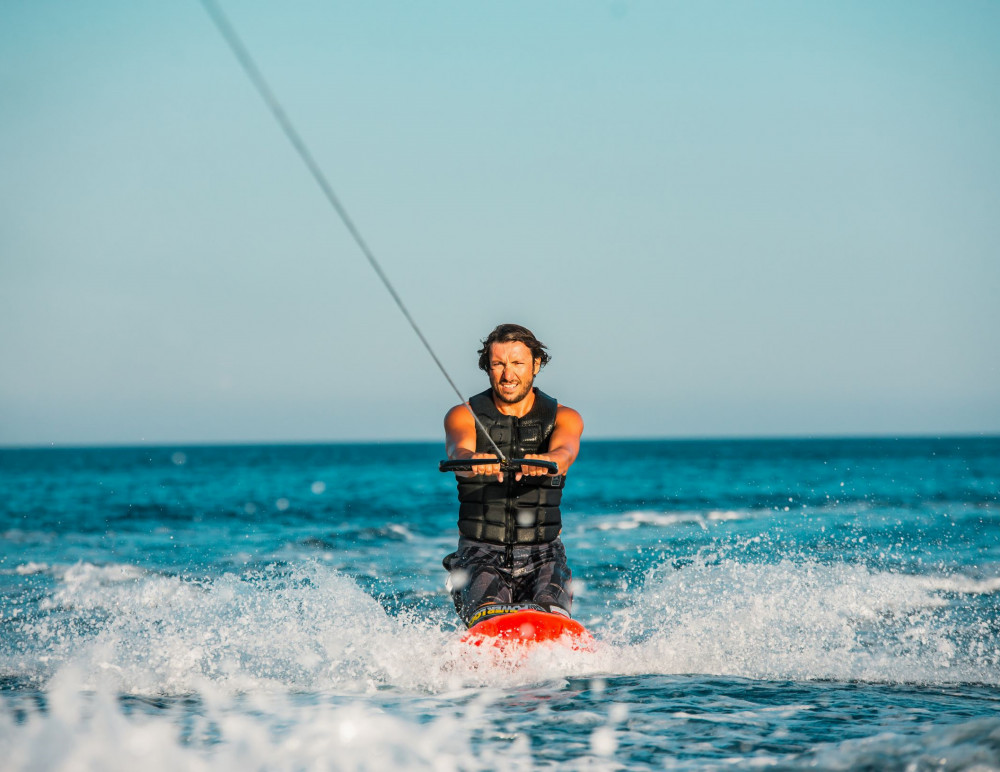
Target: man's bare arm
[(460, 442)]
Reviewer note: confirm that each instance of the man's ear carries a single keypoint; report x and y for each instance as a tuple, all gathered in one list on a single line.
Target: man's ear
[(537, 366)]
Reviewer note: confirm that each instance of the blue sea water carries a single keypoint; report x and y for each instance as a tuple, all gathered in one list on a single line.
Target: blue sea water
[(778, 604)]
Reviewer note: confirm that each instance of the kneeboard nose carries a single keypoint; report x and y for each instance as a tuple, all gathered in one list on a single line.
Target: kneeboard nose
[(528, 626)]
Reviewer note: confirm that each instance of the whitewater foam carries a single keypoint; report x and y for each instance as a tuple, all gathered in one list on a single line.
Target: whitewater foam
[(802, 619), (638, 518), (312, 628), (81, 730)]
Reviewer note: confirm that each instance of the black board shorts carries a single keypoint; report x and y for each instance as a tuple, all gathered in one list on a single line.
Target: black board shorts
[(480, 574)]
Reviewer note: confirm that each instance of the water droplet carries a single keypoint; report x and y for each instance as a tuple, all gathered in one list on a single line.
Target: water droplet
[(457, 579), (603, 741)]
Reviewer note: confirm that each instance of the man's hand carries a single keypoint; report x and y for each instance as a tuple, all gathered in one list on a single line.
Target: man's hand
[(487, 470), (534, 471), (564, 444)]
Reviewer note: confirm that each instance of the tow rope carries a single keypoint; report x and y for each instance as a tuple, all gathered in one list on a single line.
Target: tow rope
[(253, 72)]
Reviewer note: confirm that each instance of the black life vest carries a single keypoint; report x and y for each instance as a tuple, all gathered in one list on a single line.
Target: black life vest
[(524, 511)]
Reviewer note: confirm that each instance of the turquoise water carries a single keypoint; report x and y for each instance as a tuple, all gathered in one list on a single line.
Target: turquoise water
[(823, 604)]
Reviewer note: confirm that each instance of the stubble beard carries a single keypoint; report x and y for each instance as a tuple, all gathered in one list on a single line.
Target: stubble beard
[(515, 397)]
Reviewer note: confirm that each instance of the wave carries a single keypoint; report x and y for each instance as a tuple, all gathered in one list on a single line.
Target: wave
[(969, 746), (468, 731), (273, 732), (627, 521), (959, 585), (303, 628), (297, 667), (802, 619), (310, 627)]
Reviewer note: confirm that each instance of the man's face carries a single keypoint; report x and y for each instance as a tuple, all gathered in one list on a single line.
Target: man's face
[(512, 371)]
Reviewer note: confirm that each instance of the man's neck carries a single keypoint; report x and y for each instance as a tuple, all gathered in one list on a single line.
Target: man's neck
[(516, 409)]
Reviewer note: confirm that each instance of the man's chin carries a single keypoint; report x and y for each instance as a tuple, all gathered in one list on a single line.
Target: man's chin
[(511, 399)]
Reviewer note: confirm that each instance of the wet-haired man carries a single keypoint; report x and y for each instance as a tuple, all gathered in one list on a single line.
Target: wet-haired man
[(509, 553)]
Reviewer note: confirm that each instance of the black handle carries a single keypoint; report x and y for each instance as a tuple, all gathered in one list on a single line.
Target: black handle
[(510, 465)]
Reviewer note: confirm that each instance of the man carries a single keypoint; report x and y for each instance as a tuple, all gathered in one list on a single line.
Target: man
[(509, 553)]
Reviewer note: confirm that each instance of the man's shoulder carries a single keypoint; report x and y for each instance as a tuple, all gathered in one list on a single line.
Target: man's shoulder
[(458, 415), (567, 415)]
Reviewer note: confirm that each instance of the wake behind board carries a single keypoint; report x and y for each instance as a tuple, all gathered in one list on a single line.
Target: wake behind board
[(528, 627)]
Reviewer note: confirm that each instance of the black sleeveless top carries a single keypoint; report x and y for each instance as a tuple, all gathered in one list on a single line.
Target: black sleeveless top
[(524, 511)]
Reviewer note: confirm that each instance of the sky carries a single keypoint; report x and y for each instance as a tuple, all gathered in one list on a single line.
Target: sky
[(724, 219)]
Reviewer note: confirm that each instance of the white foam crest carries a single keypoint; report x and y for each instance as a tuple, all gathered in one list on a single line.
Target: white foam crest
[(799, 620), (266, 732), (307, 628), (401, 530), (958, 585), (311, 628), (627, 521), (31, 568), (726, 515), (86, 586)]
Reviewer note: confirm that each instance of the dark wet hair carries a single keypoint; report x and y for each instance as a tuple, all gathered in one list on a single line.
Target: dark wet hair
[(509, 333)]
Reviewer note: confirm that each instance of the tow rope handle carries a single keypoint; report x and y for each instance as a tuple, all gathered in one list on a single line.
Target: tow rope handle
[(510, 465)]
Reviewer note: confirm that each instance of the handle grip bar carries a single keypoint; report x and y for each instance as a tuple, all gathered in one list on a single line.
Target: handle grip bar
[(510, 465)]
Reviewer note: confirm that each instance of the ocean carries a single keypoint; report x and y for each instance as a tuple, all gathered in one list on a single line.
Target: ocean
[(775, 604)]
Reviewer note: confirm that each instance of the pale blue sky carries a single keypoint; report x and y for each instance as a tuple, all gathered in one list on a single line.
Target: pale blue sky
[(725, 219)]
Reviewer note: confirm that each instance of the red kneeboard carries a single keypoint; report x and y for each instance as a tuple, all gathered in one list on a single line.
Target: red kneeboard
[(528, 626)]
